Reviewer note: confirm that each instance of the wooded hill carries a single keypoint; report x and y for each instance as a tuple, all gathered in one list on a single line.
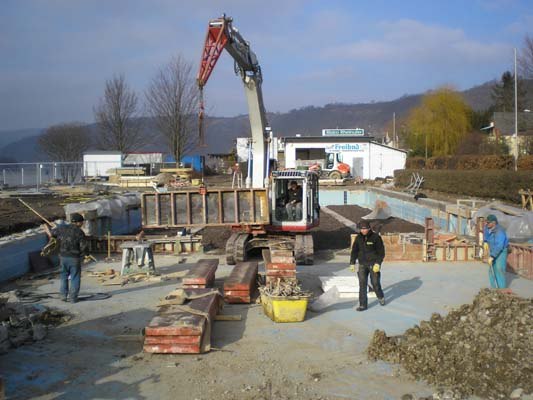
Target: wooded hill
[(375, 118)]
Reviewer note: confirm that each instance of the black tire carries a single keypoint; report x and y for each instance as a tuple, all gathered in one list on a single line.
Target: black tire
[(335, 175)]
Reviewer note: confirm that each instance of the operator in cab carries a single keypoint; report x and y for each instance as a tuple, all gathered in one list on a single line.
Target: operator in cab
[(293, 202)]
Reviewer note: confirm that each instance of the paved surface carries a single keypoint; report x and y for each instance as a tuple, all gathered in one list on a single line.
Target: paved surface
[(323, 357)]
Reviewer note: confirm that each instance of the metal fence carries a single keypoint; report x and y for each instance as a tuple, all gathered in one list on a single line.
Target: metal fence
[(29, 175)]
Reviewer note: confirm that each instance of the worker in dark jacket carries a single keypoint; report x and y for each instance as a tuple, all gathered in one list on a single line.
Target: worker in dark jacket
[(369, 250), (73, 246), (293, 201)]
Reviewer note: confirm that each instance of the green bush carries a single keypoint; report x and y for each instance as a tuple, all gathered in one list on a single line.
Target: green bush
[(468, 162), (415, 163), (498, 184), (525, 163)]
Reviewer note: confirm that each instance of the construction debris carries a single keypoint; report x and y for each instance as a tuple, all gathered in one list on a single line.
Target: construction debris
[(284, 288), (483, 349), (20, 323)]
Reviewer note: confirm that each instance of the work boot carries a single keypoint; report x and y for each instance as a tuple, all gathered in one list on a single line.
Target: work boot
[(73, 300), (382, 301), (64, 299), (361, 308)]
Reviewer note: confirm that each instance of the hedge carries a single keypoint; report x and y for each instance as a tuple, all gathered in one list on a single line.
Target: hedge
[(470, 162), (498, 184)]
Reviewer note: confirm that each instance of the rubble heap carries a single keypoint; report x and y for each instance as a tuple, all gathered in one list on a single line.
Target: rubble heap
[(484, 348), (20, 323)]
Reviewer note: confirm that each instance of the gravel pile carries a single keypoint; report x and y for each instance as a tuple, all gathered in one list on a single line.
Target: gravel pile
[(484, 348)]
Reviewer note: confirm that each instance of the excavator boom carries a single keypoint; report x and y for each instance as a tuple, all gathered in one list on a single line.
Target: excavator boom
[(222, 35)]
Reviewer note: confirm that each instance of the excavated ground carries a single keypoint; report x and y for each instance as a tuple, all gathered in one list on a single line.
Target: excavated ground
[(15, 217), (483, 349), (330, 235)]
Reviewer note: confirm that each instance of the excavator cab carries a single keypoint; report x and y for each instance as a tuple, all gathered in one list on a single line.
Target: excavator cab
[(300, 211)]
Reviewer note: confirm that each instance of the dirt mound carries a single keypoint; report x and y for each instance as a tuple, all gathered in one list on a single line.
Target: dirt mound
[(482, 349), (215, 237), (390, 225)]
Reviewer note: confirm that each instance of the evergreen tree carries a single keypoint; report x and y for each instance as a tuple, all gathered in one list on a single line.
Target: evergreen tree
[(503, 94)]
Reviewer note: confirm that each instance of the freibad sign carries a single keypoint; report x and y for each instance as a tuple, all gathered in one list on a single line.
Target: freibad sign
[(345, 147)]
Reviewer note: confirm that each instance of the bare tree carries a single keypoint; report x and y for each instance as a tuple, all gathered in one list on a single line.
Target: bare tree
[(65, 142), (171, 99), (525, 59), (117, 117)]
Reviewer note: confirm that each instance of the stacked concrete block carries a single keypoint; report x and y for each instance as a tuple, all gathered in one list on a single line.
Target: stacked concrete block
[(202, 275), (241, 284), (184, 329)]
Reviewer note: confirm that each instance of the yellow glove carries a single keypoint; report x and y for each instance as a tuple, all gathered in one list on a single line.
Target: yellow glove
[(485, 248), (352, 267), (490, 261), (376, 268)]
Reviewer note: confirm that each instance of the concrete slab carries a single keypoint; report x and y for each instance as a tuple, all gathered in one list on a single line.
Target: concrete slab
[(322, 357)]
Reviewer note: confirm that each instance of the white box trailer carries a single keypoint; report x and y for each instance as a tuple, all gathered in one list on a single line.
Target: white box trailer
[(367, 159), (101, 163)]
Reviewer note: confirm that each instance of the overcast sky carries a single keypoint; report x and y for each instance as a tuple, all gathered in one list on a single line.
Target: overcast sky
[(55, 55)]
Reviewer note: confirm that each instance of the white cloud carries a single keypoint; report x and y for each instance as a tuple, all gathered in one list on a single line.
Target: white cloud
[(413, 41), (522, 26)]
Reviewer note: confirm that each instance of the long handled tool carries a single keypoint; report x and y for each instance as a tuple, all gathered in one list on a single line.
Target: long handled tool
[(36, 213), (51, 246)]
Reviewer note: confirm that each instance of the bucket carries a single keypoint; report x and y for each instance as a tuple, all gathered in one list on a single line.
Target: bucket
[(285, 309)]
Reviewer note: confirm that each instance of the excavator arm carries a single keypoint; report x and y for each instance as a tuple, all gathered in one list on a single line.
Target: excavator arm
[(222, 35)]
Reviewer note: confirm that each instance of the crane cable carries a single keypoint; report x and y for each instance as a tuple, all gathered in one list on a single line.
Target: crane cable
[(201, 129)]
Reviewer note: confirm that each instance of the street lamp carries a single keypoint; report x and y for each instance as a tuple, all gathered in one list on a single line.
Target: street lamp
[(515, 116)]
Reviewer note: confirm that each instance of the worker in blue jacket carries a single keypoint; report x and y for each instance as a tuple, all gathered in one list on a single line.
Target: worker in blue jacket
[(495, 237)]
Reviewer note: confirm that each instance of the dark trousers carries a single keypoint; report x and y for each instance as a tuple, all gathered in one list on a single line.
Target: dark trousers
[(70, 266), (362, 274)]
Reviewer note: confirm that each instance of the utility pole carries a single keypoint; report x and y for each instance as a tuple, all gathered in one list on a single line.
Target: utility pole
[(515, 115), (394, 130), (426, 146)]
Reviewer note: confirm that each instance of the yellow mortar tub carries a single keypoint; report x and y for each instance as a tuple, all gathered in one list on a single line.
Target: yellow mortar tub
[(285, 309)]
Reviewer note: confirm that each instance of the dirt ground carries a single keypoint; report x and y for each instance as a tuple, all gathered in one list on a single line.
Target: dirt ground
[(98, 354), (15, 217), (330, 235)]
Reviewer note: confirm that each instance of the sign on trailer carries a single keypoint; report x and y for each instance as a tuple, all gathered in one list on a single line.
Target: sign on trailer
[(343, 132)]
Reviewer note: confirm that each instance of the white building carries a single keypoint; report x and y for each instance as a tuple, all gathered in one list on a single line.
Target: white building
[(367, 159), (98, 163), (138, 158), (242, 145)]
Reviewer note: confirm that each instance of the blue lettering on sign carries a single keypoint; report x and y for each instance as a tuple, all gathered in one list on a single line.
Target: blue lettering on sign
[(344, 147)]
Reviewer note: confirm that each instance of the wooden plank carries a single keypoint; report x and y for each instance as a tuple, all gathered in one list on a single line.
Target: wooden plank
[(171, 339), (234, 299), (172, 348), (235, 317), (202, 272), (280, 266), (282, 259), (242, 277), (281, 273), (171, 320)]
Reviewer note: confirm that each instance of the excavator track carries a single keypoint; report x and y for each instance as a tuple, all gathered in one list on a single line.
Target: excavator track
[(236, 248), (240, 247), (230, 249)]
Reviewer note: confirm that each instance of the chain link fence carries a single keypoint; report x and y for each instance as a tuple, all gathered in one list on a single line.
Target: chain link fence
[(37, 175)]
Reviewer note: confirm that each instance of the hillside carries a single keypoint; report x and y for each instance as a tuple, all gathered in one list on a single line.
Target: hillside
[(221, 133)]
